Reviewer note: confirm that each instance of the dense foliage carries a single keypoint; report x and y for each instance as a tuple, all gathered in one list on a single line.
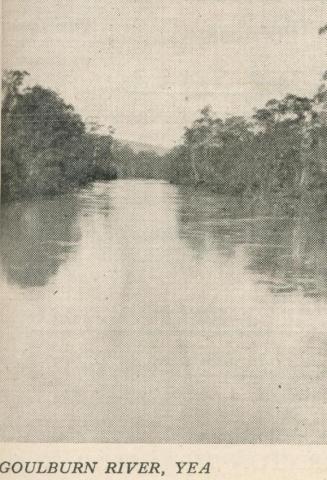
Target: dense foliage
[(45, 146), (142, 164), (282, 148)]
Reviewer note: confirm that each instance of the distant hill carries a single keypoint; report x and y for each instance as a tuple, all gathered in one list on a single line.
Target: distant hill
[(141, 147)]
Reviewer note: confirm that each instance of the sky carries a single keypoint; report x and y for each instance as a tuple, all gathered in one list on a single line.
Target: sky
[(147, 67)]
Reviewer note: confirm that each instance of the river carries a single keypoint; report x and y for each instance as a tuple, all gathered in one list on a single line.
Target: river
[(138, 311)]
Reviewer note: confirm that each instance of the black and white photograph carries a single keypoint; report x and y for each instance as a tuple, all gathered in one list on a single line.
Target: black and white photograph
[(163, 245)]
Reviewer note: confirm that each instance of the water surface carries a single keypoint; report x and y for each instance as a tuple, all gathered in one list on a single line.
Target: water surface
[(137, 311)]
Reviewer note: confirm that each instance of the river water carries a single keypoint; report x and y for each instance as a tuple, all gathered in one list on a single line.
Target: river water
[(138, 311)]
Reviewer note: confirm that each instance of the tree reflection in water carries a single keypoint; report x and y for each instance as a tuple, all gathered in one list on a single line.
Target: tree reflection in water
[(285, 243), (37, 237)]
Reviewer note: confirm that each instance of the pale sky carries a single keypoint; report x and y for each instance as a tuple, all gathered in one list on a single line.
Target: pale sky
[(148, 66)]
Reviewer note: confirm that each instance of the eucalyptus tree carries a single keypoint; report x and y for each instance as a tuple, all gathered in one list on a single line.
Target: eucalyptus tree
[(284, 131), (11, 85), (196, 138)]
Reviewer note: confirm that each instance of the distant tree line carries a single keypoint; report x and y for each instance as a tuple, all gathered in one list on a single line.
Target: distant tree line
[(142, 164), (45, 146)]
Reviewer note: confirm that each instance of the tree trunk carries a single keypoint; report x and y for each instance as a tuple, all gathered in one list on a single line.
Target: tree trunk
[(194, 169)]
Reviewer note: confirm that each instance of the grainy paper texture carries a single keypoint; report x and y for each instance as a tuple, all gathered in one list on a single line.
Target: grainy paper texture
[(163, 265)]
